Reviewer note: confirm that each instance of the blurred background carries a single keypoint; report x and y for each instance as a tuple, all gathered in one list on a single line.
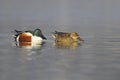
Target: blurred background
[(64, 14), (97, 22)]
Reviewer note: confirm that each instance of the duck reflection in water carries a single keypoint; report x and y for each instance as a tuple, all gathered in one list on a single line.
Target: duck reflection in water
[(67, 40), (29, 45)]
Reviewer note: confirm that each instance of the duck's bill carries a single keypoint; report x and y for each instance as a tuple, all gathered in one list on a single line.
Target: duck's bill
[(44, 37), (80, 39)]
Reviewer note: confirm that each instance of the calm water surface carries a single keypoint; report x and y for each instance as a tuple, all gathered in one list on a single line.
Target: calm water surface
[(98, 58)]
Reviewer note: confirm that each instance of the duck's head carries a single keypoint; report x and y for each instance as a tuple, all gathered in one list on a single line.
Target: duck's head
[(38, 32), (75, 36)]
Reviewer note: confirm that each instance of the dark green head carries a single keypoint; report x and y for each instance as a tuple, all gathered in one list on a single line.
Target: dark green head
[(38, 32)]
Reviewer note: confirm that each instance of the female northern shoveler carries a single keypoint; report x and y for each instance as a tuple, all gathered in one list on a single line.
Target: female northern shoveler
[(66, 37), (35, 36)]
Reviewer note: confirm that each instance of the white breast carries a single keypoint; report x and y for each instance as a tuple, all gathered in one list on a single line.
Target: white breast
[(36, 40)]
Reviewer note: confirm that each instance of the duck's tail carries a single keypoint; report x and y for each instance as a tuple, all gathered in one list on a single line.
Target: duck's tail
[(54, 34), (16, 33)]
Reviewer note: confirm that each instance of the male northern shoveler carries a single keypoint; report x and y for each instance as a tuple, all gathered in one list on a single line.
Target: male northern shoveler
[(66, 37), (35, 36)]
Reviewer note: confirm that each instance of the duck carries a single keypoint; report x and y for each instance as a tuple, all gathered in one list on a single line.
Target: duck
[(66, 37), (35, 36)]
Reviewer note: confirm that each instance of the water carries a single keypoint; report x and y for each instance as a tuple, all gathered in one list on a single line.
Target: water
[(98, 58), (97, 22)]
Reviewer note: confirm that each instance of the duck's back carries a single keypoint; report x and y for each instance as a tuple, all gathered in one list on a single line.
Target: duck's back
[(65, 38)]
